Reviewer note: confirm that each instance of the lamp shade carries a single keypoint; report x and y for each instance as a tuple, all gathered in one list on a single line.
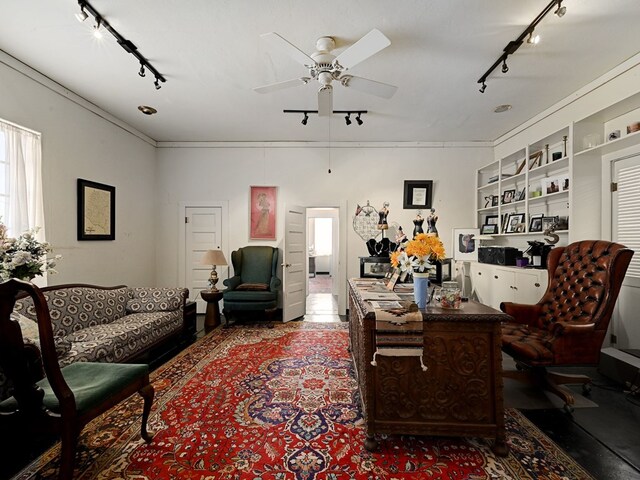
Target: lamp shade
[(213, 257)]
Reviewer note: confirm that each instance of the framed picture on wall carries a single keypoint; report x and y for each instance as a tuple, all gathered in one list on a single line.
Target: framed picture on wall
[(417, 194), (262, 213), (96, 211)]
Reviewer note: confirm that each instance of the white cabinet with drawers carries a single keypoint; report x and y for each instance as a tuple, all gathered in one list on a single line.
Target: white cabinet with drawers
[(492, 284)]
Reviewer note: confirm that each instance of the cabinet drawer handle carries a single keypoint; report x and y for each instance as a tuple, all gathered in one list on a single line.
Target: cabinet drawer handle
[(537, 284), (515, 288), (495, 276), (479, 273)]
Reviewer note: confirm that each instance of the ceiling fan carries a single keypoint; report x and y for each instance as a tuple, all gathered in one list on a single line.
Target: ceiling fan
[(325, 67)]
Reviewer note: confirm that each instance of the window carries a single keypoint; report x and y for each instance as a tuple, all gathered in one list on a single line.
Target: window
[(323, 236), (21, 202)]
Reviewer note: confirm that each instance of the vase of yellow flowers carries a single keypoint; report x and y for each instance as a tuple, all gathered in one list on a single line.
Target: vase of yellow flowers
[(415, 257)]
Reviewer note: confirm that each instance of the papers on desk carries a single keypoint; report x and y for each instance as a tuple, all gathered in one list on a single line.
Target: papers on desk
[(379, 295), (385, 304)]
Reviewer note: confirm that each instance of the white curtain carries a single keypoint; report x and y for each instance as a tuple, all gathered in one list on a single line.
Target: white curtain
[(23, 152)]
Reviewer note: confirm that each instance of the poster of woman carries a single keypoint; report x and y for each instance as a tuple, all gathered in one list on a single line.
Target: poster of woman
[(262, 205)]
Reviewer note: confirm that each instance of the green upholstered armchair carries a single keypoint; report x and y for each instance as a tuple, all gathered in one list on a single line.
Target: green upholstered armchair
[(254, 285)]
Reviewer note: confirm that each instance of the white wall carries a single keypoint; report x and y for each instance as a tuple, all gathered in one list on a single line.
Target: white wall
[(199, 173), (77, 143)]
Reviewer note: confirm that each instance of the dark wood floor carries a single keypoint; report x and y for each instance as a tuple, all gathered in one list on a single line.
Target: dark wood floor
[(604, 440)]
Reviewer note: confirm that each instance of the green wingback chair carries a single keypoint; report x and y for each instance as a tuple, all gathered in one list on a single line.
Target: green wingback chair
[(254, 285)]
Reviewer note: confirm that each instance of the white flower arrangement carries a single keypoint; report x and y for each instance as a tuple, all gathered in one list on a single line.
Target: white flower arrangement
[(24, 257)]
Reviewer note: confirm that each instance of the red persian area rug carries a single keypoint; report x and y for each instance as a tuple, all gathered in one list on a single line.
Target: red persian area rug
[(274, 404)]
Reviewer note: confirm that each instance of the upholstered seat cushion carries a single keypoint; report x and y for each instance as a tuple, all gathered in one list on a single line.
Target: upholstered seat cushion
[(521, 341), (91, 383), (249, 296)]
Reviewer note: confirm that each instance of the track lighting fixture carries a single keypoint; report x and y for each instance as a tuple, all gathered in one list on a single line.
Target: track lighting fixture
[(560, 10), (513, 45), (96, 29), (347, 113), (101, 24), (81, 15)]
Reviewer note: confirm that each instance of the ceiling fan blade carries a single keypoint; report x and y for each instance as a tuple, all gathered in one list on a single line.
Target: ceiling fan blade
[(325, 101), (370, 44), (282, 85), (371, 87), (294, 52)]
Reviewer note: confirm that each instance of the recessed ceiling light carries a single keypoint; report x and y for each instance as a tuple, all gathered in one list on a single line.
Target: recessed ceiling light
[(147, 110), (502, 108)]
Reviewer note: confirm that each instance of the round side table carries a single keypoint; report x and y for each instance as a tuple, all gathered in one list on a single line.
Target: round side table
[(212, 316)]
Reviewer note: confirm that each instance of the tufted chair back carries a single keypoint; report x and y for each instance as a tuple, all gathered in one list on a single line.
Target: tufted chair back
[(569, 323)]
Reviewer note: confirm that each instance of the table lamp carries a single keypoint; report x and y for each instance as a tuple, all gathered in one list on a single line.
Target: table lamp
[(213, 258)]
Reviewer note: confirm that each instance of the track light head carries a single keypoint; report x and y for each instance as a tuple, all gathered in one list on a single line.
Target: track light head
[(305, 119), (483, 87), (505, 67), (347, 119), (142, 72), (96, 29), (157, 84), (81, 16), (560, 11), (533, 39), (358, 119)]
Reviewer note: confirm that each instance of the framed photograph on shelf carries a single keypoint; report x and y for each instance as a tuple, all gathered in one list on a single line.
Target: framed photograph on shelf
[(465, 244), (494, 201), (489, 229), (504, 221), (262, 213), (521, 194), (508, 196), (564, 184), (96, 211), (491, 220), (514, 222), (550, 185), (417, 194), (548, 222), (562, 223), (535, 223)]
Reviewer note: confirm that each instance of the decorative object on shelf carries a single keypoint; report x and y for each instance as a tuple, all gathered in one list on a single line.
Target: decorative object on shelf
[(521, 166), (24, 258), (535, 159), (432, 218), (365, 222), (450, 296), (514, 222), (546, 151), (556, 156), (521, 194), (614, 135), (564, 183), (465, 244), (535, 222), (550, 185), (417, 194), (527, 34), (491, 220), (494, 201), (591, 140), (489, 229), (488, 200), (96, 211), (262, 206), (213, 258), (417, 224), (380, 249), (634, 127), (564, 145), (549, 226)]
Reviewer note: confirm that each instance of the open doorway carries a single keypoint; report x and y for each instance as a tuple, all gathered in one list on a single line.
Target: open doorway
[(323, 256)]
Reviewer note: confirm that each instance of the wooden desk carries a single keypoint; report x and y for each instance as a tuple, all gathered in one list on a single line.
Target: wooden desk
[(212, 315), (460, 394)]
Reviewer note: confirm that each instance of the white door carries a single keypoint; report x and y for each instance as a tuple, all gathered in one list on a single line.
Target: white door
[(294, 257), (203, 227), (625, 229)]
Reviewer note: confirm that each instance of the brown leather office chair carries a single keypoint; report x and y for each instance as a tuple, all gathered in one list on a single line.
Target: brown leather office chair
[(67, 398), (568, 325)]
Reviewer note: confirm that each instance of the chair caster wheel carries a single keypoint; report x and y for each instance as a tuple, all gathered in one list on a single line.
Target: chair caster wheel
[(586, 389), (568, 409)]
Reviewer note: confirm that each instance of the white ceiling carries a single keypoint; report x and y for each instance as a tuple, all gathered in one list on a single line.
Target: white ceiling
[(211, 53)]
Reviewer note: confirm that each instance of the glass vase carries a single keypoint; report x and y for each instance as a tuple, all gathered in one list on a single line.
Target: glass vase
[(421, 289)]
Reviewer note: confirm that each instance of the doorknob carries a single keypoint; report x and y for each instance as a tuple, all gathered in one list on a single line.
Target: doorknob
[(285, 265)]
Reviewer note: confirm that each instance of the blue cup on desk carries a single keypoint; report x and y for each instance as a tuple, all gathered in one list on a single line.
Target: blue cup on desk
[(421, 289)]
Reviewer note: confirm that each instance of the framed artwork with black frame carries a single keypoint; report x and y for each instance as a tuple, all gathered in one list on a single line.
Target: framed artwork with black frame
[(548, 222), (515, 219), (494, 201), (491, 219), (489, 229), (535, 223), (417, 194), (508, 195), (96, 211)]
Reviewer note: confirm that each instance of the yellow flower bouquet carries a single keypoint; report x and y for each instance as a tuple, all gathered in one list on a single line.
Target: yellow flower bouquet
[(418, 254)]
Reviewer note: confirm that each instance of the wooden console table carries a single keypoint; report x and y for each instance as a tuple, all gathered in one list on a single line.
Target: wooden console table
[(460, 393)]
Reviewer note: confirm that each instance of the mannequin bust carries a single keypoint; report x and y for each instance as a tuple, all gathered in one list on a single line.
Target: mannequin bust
[(417, 224), (432, 218), (383, 213)]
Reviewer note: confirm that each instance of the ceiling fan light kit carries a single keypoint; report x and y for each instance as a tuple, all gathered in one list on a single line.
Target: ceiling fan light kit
[(324, 67), (528, 34)]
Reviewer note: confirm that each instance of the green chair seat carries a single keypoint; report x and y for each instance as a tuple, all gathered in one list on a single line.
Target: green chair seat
[(90, 382), (249, 296)]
